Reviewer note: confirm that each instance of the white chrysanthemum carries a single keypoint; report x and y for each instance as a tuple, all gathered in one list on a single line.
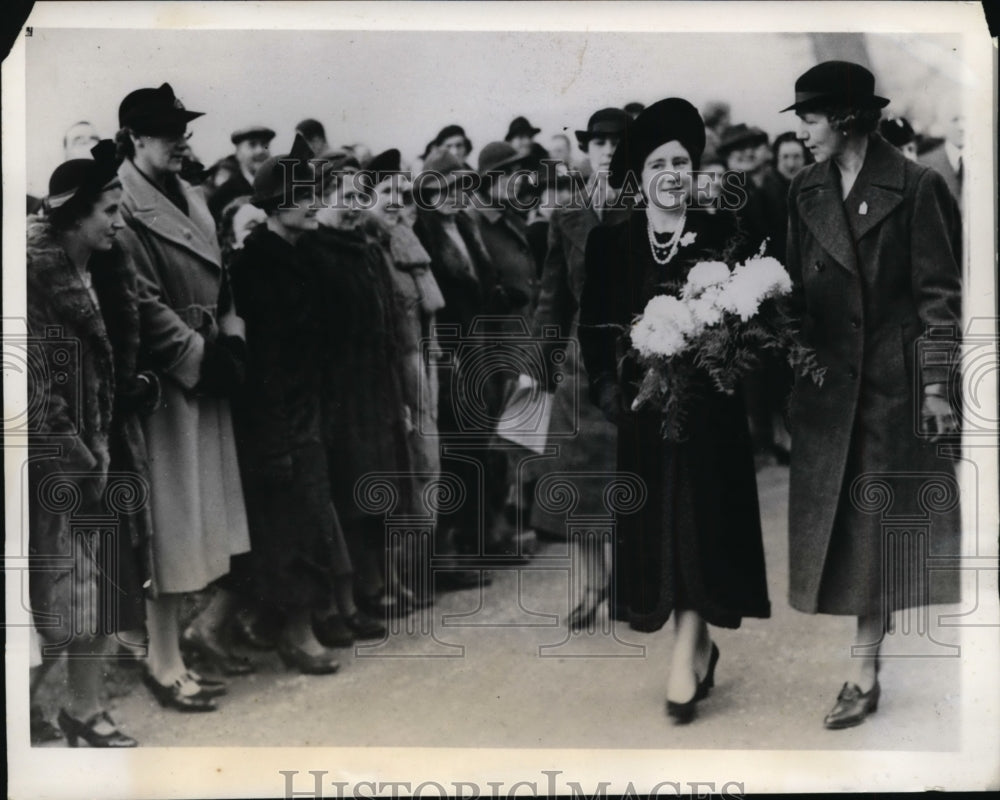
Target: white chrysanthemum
[(772, 276), (703, 275), (664, 326), (706, 310), (741, 295)]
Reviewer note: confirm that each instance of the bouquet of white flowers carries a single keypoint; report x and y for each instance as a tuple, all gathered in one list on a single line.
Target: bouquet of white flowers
[(721, 323)]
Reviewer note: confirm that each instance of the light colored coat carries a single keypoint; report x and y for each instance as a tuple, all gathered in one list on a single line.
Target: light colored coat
[(199, 519)]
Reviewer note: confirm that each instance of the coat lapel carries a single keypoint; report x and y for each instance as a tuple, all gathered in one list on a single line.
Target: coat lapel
[(879, 186), (822, 210), (194, 233)]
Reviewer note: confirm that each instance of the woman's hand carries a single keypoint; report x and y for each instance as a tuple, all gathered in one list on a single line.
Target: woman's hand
[(937, 417)]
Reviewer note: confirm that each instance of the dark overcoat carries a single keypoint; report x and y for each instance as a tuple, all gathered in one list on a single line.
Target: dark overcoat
[(85, 429), (593, 443), (295, 532), (873, 272), (362, 400), (696, 541)]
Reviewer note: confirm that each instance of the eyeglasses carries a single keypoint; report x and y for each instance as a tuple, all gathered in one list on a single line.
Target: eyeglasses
[(175, 137)]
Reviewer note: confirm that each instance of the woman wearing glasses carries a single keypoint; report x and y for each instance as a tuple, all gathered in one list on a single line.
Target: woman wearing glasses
[(199, 520)]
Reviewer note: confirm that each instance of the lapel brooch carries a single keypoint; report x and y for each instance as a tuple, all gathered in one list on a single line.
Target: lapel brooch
[(863, 208)]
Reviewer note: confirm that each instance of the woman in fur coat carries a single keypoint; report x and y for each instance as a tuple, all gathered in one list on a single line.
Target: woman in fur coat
[(87, 454)]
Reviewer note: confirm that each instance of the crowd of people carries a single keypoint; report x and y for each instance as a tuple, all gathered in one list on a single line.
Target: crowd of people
[(257, 337)]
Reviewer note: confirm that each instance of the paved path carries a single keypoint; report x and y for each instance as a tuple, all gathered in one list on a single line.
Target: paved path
[(501, 671)]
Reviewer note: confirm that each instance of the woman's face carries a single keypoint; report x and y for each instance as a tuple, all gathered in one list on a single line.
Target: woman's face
[(344, 203), (599, 152), (301, 217), (819, 136), (666, 176), (791, 159), (445, 201), (456, 146), (161, 154), (98, 229), (387, 199)]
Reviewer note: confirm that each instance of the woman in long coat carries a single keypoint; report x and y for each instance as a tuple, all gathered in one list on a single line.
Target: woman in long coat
[(363, 413), (417, 299), (197, 499), (593, 447), (87, 448), (873, 245), (467, 279), (694, 548)]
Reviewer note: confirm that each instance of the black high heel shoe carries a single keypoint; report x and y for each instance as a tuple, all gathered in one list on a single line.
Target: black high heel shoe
[(73, 729), (705, 686), (585, 613), (173, 696), (209, 686), (683, 713), (364, 627)]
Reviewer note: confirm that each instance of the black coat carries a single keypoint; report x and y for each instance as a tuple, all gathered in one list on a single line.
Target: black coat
[(696, 541), (360, 365), (276, 419), (873, 274)]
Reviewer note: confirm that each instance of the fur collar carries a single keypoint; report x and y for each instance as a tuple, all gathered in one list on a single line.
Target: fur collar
[(54, 281)]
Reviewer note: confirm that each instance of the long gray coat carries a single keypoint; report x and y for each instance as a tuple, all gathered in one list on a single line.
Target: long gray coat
[(199, 519), (872, 273)]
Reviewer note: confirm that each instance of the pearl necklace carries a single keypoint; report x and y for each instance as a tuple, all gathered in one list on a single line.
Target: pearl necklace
[(670, 247)]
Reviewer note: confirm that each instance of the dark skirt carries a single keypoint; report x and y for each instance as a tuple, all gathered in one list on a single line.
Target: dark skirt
[(297, 545), (696, 543)]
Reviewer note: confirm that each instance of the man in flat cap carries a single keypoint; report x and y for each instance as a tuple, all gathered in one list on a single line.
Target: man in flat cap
[(253, 148)]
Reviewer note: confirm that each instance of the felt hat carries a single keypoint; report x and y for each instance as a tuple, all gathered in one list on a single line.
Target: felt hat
[(83, 177), (520, 126), (836, 83), (738, 137), (664, 121), (278, 178), (606, 122), (252, 132), (155, 112), (499, 156)]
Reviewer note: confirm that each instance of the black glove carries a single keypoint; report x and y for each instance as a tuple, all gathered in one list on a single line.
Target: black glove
[(140, 395), (609, 400), (223, 366)]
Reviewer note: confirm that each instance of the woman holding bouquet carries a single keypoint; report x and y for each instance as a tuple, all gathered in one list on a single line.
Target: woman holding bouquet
[(694, 548), (873, 249)]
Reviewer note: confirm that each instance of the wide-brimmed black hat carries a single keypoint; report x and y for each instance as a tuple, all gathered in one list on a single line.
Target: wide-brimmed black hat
[(520, 126), (606, 122), (83, 177), (738, 137), (155, 112), (261, 132), (452, 130), (673, 118), (897, 131), (277, 178), (840, 83)]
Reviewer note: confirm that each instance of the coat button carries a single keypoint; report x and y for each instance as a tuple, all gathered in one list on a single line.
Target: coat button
[(187, 234), (852, 373), (855, 323), (819, 266)]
